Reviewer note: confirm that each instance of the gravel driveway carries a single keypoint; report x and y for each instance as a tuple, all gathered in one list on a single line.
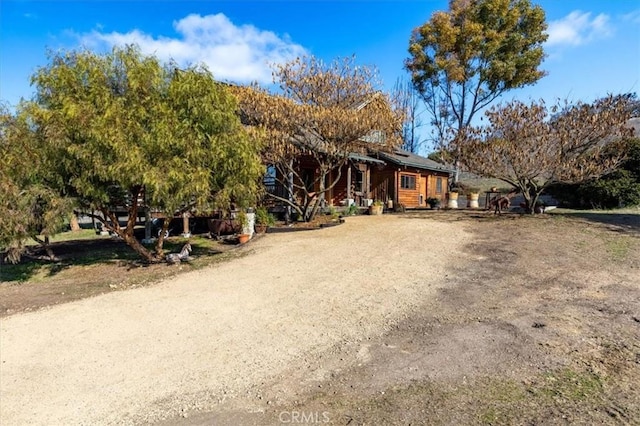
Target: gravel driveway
[(202, 340)]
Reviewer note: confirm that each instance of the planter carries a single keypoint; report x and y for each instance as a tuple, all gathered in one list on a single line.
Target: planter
[(243, 238), (260, 228), (473, 200), (453, 200), (375, 209)]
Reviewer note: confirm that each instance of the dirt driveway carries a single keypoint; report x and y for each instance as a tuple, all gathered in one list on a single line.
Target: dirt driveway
[(206, 337), (414, 318)]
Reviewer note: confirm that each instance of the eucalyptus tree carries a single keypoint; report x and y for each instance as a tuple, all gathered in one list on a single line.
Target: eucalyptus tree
[(322, 114), (462, 60), (532, 146), (121, 128)]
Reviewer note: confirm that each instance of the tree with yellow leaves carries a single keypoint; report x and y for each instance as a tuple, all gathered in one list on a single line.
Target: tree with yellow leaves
[(464, 59), (121, 128), (323, 113)]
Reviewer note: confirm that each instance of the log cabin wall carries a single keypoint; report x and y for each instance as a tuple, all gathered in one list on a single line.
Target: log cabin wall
[(339, 192), (437, 185), (412, 188), (408, 186), (383, 184)]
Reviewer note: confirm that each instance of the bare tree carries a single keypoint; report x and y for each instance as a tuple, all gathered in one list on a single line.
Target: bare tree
[(531, 146), (408, 101), (325, 113)]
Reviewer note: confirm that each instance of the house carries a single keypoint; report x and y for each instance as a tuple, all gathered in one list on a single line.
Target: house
[(409, 179), (318, 161), (399, 176)]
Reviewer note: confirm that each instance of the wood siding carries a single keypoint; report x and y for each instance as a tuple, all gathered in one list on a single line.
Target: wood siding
[(432, 186), (410, 198), (390, 178), (339, 192), (382, 184)]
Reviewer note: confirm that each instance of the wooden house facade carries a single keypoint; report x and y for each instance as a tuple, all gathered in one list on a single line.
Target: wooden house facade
[(409, 179), (401, 177)]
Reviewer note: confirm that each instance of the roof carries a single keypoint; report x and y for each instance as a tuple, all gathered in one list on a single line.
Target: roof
[(365, 159), (409, 159)]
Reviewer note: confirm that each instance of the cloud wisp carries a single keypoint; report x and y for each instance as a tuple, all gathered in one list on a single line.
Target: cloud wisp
[(233, 53), (578, 28)]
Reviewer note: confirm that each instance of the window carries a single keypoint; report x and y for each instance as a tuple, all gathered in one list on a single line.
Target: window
[(439, 185), (359, 181), (407, 182)]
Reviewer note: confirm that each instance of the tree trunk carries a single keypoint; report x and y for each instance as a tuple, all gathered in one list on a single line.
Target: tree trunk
[(160, 240), (110, 221), (322, 191), (287, 217), (73, 222), (139, 248), (46, 246)]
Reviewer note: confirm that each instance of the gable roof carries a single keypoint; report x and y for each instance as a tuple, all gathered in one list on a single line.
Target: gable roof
[(409, 159)]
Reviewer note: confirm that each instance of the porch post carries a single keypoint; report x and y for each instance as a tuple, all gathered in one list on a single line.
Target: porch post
[(397, 191), (348, 183), (185, 225), (367, 182)]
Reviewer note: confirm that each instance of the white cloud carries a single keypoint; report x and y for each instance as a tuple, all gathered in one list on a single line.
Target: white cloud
[(633, 17), (235, 53), (578, 28)]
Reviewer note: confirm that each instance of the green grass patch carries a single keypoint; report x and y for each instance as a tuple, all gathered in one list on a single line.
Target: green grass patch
[(619, 247), (569, 385), (83, 234), (93, 249)]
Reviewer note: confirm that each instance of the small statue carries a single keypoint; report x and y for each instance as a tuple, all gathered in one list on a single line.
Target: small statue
[(173, 258)]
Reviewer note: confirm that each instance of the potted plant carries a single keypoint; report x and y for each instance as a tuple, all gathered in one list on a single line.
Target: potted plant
[(376, 208), (244, 234), (473, 195), (264, 220), (433, 202), (453, 198)]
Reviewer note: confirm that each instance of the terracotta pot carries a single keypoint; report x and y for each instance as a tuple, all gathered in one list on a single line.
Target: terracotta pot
[(261, 229), (243, 238), (375, 209)]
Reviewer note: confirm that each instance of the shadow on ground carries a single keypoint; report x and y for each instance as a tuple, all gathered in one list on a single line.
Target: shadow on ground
[(616, 221), (85, 253)]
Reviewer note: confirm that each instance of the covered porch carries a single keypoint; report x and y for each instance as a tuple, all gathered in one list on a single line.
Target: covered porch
[(354, 186)]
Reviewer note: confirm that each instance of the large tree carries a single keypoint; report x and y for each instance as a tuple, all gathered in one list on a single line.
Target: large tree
[(464, 59), (29, 208), (120, 129), (323, 113), (531, 146)]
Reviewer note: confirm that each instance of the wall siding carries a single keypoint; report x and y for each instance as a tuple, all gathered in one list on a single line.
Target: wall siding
[(410, 198)]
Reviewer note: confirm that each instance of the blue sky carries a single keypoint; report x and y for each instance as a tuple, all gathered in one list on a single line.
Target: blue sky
[(593, 47)]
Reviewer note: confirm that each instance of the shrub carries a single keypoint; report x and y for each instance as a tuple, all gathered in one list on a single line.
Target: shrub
[(263, 217), (352, 210), (617, 189)]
